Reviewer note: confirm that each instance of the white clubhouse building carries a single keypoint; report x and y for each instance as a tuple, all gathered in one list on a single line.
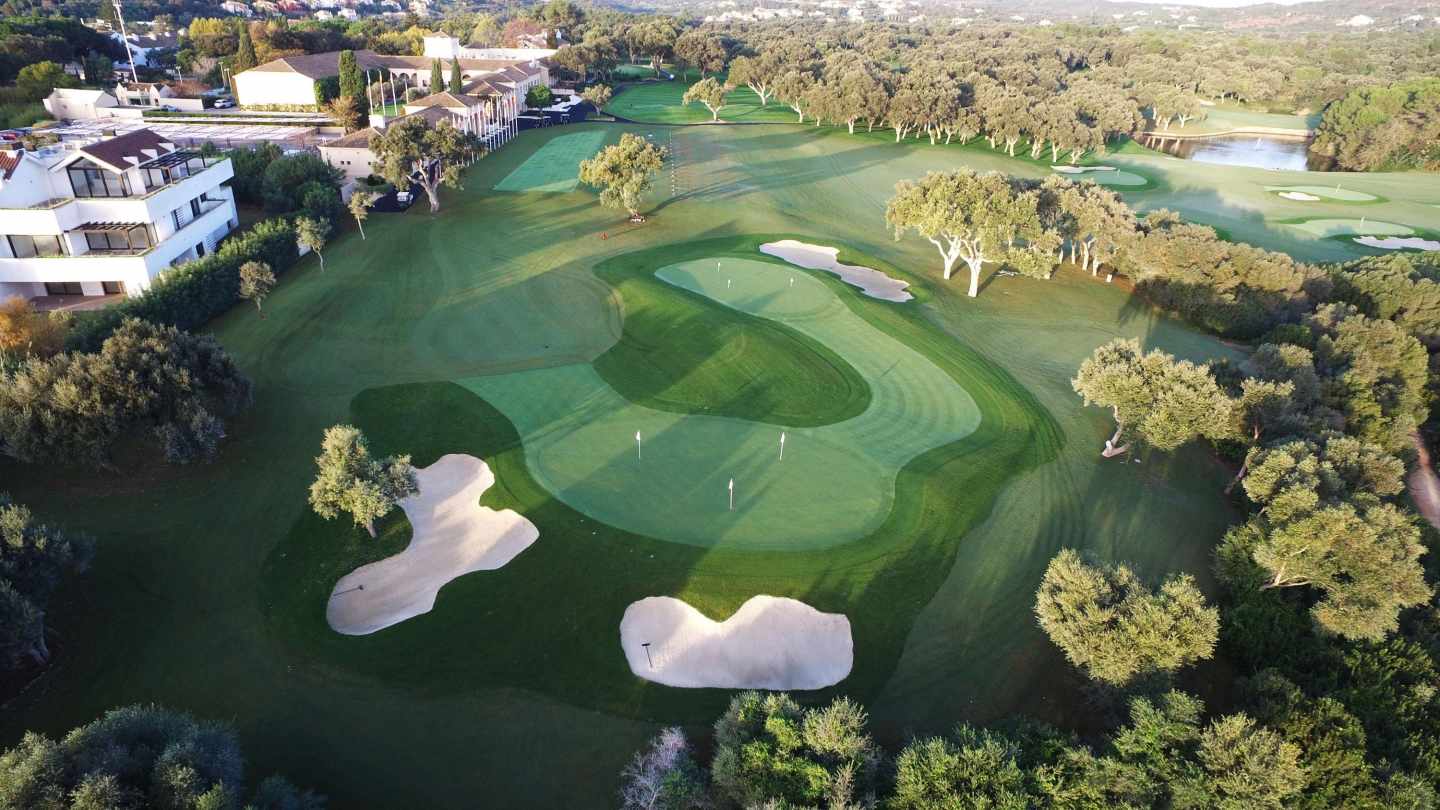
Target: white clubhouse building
[(109, 216)]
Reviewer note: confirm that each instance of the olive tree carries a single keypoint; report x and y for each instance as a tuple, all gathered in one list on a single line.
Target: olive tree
[(757, 73), (709, 92), (598, 95), (663, 776), (411, 151), (311, 234), (1115, 628), (34, 560), (256, 282), (622, 172), (360, 202), (349, 480), (1161, 401), (966, 216)]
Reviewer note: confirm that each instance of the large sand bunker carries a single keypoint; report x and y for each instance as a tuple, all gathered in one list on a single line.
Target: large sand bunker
[(1299, 196), (1082, 169), (453, 535), (770, 643), (818, 257), (1397, 243)]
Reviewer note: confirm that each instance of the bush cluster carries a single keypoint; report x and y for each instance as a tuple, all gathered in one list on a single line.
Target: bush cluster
[(193, 293)]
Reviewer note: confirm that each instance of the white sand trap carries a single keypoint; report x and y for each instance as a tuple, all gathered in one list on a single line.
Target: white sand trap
[(1397, 243), (1299, 195), (453, 535), (1082, 169), (770, 643), (818, 257)]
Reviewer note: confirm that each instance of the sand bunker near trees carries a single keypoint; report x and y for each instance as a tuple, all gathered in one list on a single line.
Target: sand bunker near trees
[(770, 643), (1299, 196), (453, 535), (1397, 243), (818, 257)]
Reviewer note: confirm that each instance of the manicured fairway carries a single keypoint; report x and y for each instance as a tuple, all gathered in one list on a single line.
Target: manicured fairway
[(554, 168), (209, 589), (661, 103), (836, 482)]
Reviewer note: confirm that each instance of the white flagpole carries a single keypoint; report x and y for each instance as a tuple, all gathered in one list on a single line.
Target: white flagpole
[(782, 445), (637, 445), (732, 494)]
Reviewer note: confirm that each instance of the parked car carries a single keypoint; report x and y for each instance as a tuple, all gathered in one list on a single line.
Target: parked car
[(168, 108), (10, 135), (223, 103)]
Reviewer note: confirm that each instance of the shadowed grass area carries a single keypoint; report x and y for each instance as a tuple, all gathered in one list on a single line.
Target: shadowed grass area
[(549, 620), (684, 353)]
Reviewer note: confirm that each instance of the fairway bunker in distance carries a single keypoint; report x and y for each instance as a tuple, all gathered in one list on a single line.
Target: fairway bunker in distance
[(1335, 193), (1398, 243), (1082, 169), (453, 535), (769, 643), (818, 257)]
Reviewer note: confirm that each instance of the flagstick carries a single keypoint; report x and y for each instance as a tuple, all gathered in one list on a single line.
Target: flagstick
[(782, 445), (637, 445), (732, 494)]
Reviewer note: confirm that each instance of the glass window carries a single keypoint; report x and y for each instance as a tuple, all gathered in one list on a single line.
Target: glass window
[(113, 287), (97, 183), (28, 247), (63, 288)]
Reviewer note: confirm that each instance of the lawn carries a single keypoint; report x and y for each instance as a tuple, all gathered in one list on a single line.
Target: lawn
[(660, 102), (209, 589)]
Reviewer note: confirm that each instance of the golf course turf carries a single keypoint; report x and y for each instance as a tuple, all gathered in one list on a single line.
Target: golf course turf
[(209, 589)]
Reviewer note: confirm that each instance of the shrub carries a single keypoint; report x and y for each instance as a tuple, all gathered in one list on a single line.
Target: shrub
[(191, 294)]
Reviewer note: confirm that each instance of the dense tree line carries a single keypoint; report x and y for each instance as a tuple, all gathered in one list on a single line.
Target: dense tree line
[(139, 757), (1394, 126)]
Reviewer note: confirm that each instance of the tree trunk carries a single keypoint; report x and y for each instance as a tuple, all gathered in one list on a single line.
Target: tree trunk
[(1111, 448), (432, 193), (851, 125), (370, 527), (361, 225), (974, 276)]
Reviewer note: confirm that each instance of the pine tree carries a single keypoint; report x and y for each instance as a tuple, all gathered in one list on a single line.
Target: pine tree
[(455, 79), (245, 51), (352, 82), (437, 79)]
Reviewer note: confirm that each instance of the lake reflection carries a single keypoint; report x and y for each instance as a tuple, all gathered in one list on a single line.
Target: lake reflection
[(1289, 154)]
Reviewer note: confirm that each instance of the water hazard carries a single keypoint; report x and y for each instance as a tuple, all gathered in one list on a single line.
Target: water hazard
[(1263, 152)]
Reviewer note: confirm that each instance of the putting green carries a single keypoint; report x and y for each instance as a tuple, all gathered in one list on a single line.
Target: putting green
[(1326, 193), (1352, 227), (1107, 178), (555, 166), (835, 483)]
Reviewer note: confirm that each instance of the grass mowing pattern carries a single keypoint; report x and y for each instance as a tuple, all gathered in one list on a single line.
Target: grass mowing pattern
[(681, 352), (549, 620), (836, 481), (556, 166), (1351, 227)]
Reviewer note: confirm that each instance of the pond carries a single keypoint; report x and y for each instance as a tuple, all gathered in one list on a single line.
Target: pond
[(1264, 152)]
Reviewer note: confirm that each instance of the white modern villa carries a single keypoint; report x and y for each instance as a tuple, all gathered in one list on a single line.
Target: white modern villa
[(109, 216)]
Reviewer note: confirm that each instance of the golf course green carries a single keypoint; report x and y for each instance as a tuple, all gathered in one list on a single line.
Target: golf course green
[(936, 459)]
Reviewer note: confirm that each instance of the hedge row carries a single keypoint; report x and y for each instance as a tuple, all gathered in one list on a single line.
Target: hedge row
[(190, 295)]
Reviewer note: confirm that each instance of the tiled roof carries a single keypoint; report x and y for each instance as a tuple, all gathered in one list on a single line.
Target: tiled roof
[(113, 151), (324, 65), (359, 139), (446, 99)]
